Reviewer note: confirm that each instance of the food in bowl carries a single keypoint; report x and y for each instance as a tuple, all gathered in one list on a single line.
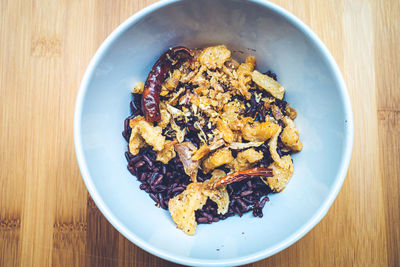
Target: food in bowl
[(210, 137)]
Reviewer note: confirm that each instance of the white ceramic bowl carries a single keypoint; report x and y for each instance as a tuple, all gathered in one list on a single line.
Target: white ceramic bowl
[(280, 42)]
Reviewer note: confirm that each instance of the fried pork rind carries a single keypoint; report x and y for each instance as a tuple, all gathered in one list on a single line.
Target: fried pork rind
[(236, 145), (218, 195), (214, 57), (218, 158), (180, 134), (167, 153), (290, 135), (231, 112), (183, 207), (259, 132), (245, 75), (144, 133), (292, 113), (281, 176), (205, 149), (172, 82), (227, 133), (165, 118), (273, 145), (245, 160), (269, 84), (190, 166), (232, 64)]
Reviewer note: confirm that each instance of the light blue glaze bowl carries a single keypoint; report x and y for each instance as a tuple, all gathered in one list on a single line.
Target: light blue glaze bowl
[(280, 42)]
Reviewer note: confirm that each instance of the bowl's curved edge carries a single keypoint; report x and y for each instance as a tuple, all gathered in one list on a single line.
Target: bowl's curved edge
[(348, 144)]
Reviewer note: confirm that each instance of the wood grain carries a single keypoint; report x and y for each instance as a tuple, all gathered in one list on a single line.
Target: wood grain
[(47, 217)]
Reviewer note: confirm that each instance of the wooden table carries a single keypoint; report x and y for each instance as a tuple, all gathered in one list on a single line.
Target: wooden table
[(46, 215)]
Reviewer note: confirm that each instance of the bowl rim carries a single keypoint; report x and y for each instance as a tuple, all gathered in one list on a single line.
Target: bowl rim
[(262, 254)]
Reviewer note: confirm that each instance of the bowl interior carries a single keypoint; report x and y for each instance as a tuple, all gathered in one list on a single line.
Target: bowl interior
[(313, 87)]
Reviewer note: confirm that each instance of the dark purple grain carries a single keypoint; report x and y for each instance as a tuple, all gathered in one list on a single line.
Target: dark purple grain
[(132, 170), (255, 212), (242, 204), (202, 220), (153, 197), (208, 216), (143, 186), (128, 155), (142, 177), (160, 188), (149, 162), (159, 179), (237, 211), (164, 170), (248, 201), (162, 204), (246, 193), (152, 178), (135, 159), (166, 203), (262, 202), (140, 164), (126, 124), (178, 189)]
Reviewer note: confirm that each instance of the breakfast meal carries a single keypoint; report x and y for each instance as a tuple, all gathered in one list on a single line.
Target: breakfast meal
[(210, 137)]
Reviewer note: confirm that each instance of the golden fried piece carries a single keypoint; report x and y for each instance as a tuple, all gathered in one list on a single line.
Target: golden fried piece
[(183, 206), (167, 153), (165, 118), (144, 133), (245, 160), (218, 158), (244, 76), (281, 176), (227, 133), (273, 145), (231, 113), (259, 132), (172, 82), (179, 134), (292, 113), (290, 135), (214, 56), (232, 64), (268, 84), (205, 149), (136, 142), (201, 152), (237, 145), (218, 195)]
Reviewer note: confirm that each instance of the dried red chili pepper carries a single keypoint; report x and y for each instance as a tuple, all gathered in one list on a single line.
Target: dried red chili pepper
[(241, 175), (158, 73)]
